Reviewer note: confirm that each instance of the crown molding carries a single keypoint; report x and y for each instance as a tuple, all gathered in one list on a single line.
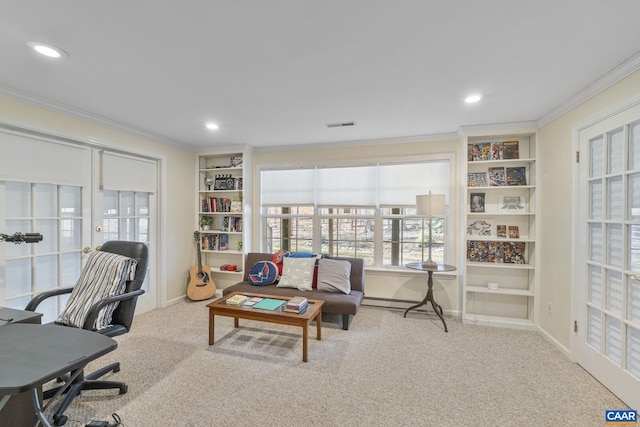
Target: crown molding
[(498, 129), (361, 142), (618, 73), (93, 118)]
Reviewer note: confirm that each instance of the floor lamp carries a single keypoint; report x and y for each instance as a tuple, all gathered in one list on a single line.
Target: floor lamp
[(430, 205)]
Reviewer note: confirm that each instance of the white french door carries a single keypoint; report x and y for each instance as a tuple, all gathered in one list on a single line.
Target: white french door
[(57, 188), (124, 200), (608, 291)]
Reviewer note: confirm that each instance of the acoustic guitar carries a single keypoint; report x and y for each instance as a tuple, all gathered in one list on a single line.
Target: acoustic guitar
[(201, 284)]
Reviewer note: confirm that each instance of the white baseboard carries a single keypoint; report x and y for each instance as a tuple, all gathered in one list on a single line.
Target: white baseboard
[(564, 350)]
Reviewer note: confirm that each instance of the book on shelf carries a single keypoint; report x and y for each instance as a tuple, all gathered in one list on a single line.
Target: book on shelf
[(514, 252), (479, 228), (496, 252), (497, 177), (224, 242), (510, 150), (479, 151), (501, 230), (511, 203), (477, 179), (236, 300), (514, 232), (476, 202), (516, 175)]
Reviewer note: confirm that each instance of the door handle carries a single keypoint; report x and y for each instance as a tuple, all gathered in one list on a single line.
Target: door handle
[(86, 249), (636, 276), (98, 248)]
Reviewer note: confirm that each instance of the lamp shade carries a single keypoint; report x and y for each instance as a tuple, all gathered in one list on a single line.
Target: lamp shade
[(430, 204)]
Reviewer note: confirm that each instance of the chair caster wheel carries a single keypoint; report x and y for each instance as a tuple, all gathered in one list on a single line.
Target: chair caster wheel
[(124, 389), (60, 420)]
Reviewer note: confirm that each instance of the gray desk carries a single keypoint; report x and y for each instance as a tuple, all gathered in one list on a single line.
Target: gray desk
[(32, 355), (18, 412)]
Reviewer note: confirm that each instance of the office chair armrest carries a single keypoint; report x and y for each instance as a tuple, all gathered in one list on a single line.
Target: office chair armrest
[(93, 312), (36, 300)]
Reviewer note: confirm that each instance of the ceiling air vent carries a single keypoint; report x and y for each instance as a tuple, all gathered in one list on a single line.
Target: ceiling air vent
[(339, 125)]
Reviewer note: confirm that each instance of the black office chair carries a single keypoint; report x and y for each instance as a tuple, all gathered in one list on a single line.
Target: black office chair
[(121, 323)]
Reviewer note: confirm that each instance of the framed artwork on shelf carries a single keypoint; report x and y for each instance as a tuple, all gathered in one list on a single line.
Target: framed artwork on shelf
[(516, 175), (510, 150), (501, 230), (480, 228), (477, 179), (479, 152), (514, 232), (511, 204), (477, 202), (497, 177)]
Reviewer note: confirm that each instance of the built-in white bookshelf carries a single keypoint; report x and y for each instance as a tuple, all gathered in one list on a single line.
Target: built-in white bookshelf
[(500, 231), (222, 219)]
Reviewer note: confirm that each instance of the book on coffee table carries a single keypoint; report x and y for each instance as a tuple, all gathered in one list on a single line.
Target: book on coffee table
[(269, 304)]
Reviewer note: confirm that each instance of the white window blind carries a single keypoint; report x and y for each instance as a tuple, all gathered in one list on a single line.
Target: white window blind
[(127, 173), (287, 187), (30, 159), (368, 185), (400, 183), (346, 186)]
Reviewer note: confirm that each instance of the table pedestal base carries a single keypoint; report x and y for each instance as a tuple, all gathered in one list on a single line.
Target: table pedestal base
[(429, 298)]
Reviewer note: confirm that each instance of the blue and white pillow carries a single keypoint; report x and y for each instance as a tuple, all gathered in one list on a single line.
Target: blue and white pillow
[(263, 273)]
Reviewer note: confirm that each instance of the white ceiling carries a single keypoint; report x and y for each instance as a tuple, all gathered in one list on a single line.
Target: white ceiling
[(274, 72)]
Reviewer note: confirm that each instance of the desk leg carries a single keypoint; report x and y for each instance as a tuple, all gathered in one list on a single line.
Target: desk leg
[(39, 409)]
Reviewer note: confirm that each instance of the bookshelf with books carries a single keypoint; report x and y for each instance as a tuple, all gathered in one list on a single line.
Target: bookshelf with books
[(222, 216), (499, 227)]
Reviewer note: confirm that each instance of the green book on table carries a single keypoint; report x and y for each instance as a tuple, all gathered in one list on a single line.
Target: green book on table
[(269, 304)]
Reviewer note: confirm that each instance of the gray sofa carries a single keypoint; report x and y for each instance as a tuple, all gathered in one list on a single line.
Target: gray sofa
[(334, 302)]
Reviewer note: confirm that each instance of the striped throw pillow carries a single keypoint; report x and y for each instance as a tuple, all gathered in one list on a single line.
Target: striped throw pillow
[(105, 275)]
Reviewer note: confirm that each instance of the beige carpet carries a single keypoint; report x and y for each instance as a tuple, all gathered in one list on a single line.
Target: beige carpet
[(385, 370)]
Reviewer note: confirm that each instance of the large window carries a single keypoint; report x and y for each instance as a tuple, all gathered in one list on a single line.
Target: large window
[(363, 211)]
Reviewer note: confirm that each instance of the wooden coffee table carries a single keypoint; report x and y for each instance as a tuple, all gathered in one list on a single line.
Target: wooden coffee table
[(220, 308)]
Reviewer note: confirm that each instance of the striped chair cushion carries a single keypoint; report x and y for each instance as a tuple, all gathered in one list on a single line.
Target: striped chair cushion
[(105, 275)]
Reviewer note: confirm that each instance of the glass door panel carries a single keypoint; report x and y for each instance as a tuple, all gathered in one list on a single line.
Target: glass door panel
[(609, 269)]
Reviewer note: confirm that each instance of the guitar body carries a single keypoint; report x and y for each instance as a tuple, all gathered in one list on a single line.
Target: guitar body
[(201, 285), (198, 289)]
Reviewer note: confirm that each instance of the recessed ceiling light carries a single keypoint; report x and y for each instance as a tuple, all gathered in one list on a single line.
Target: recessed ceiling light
[(47, 50), (473, 98), (212, 126)]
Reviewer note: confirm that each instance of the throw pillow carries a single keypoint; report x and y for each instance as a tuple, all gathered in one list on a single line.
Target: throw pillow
[(263, 273), (334, 275), (302, 254), (297, 273), (105, 275), (278, 258)]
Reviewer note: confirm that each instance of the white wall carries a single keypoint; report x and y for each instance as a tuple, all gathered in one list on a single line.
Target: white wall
[(403, 285), (557, 163), (177, 195)]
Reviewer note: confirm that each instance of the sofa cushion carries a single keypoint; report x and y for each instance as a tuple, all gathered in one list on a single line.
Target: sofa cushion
[(334, 275), (297, 273), (263, 273)]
